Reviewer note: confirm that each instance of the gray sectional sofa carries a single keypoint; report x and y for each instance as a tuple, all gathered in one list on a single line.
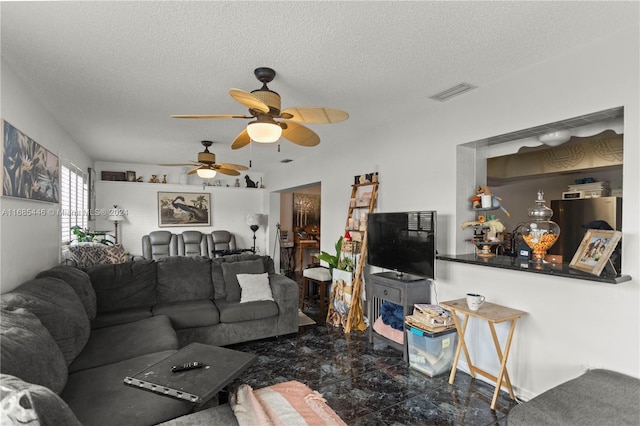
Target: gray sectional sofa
[(69, 337)]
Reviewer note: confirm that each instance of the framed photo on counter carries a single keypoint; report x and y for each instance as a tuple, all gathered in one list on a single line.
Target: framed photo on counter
[(595, 250)]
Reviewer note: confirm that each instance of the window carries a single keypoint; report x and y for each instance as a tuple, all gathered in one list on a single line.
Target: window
[(74, 200)]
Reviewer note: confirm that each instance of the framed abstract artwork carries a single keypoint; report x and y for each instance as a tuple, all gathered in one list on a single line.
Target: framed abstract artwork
[(306, 211), (184, 209), (30, 171)]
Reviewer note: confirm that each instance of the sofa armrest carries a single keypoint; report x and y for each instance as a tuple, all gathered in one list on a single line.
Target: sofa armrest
[(286, 294)]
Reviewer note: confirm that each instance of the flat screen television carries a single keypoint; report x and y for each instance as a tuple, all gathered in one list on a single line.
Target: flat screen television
[(404, 242)]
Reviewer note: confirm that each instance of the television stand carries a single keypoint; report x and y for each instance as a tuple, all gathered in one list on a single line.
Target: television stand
[(405, 291)]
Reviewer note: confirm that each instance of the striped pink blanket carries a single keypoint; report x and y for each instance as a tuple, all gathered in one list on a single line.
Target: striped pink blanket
[(285, 404)]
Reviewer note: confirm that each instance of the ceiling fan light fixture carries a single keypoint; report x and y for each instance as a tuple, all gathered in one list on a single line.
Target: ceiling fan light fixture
[(264, 130), (206, 173)]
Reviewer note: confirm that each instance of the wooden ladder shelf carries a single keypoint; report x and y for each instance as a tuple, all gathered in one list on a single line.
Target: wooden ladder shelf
[(358, 206)]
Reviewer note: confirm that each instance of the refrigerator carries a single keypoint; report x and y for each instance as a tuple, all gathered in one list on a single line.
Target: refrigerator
[(572, 214)]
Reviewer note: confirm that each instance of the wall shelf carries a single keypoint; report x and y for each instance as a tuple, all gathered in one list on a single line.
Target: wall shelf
[(515, 264), (191, 186)]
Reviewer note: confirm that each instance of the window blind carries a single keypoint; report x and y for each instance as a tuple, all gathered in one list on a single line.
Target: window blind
[(74, 200)]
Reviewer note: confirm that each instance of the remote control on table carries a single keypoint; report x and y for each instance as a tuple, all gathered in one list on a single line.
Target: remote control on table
[(187, 366)]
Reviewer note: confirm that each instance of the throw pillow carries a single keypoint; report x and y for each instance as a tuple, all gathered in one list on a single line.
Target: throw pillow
[(80, 283), (254, 287), (28, 351), (87, 255), (58, 308), (182, 278), (232, 269), (126, 285), (25, 403)]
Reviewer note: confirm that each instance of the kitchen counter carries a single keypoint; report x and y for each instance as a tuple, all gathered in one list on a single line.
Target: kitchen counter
[(515, 264)]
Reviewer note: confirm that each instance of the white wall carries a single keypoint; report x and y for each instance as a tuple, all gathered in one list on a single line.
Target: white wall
[(414, 152), (229, 205), (571, 323), (29, 244)]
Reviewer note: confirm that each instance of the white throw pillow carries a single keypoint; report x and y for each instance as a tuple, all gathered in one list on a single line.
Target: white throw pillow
[(254, 287)]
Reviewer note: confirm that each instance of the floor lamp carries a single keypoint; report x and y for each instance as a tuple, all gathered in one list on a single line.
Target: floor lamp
[(254, 221), (117, 215)]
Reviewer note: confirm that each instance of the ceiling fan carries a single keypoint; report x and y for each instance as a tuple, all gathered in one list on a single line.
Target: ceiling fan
[(207, 167), (264, 109)]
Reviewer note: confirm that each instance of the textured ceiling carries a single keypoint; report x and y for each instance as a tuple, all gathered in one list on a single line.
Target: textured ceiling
[(113, 72)]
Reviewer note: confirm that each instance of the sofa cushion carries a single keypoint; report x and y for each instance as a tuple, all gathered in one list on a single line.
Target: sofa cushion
[(230, 271), (86, 255), (127, 285), (183, 278), (216, 415), (597, 397), (98, 396), (254, 287), (243, 257), (217, 278), (28, 351), (119, 342), (79, 281), (122, 316), (231, 312), (25, 403), (59, 309), (189, 314)]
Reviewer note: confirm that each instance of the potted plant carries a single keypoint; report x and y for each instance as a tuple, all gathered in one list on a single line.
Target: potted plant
[(86, 236), (332, 261)]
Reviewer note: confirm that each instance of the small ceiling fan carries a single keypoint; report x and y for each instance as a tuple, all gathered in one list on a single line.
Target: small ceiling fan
[(207, 167), (264, 109)]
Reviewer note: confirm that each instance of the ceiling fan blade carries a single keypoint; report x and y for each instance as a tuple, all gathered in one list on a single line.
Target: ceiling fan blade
[(193, 163), (232, 166), (208, 116), (300, 135), (190, 172), (228, 172), (319, 115), (249, 100), (241, 140)]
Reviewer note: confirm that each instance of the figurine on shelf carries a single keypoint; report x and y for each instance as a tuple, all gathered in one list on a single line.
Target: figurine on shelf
[(476, 200), (164, 179), (140, 179), (250, 183), (154, 179)]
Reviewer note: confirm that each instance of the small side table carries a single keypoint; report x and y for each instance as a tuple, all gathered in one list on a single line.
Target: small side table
[(493, 314)]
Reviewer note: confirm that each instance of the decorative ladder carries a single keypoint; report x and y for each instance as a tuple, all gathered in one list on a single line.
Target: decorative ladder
[(355, 319)]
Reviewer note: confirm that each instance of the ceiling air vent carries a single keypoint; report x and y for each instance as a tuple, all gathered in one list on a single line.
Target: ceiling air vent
[(454, 91), (286, 160)]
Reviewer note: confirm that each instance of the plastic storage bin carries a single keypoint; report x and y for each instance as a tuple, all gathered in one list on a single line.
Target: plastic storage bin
[(431, 353)]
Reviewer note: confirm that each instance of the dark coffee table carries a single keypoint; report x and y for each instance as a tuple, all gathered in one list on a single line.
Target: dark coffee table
[(198, 386)]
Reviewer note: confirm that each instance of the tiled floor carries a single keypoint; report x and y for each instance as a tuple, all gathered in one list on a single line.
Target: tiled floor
[(369, 384)]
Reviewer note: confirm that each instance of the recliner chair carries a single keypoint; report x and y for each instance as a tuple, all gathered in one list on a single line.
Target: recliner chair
[(193, 243), (221, 241), (159, 244)]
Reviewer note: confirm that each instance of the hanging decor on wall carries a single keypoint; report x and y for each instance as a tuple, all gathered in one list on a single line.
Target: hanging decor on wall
[(306, 211), (184, 209), (30, 171)]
